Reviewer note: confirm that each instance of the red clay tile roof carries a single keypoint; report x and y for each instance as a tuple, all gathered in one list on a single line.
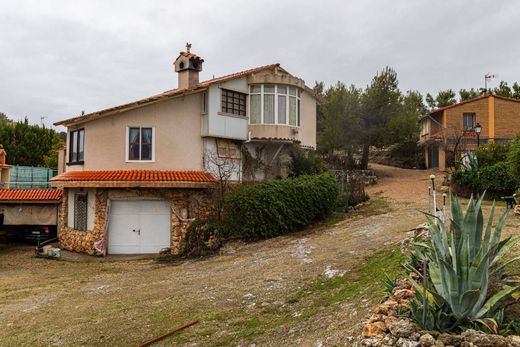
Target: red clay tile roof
[(136, 175), (189, 55), (166, 94), (30, 195), (483, 96)]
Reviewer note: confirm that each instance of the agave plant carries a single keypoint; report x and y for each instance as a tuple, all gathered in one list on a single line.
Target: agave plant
[(459, 264)]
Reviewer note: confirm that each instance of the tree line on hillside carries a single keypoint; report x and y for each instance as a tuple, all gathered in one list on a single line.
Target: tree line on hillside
[(449, 97), (30, 144), (352, 119)]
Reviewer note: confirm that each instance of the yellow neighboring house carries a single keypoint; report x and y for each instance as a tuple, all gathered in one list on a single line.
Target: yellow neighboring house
[(461, 127)]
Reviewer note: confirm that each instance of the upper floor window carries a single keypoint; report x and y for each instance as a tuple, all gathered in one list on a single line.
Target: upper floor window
[(140, 144), (233, 102), (275, 104), (468, 121), (76, 146)]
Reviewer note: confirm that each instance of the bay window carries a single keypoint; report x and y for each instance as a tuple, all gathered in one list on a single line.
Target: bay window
[(274, 104)]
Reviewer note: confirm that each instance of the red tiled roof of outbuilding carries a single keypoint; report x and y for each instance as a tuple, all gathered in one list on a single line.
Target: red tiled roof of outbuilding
[(30, 195)]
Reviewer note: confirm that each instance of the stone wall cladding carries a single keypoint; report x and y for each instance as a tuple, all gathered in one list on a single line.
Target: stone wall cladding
[(189, 204)]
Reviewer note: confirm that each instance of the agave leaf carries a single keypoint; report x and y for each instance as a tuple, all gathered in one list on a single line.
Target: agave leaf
[(502, 251), (468, 301), (498, 228), (490, 304), (456, 218), (472, 226), (487, 234), (503, 265), (490, 324)]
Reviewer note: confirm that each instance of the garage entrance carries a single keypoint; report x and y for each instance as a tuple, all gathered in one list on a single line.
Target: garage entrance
[(137, 227)]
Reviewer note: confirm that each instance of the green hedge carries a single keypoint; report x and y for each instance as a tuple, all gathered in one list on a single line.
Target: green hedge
[(493, 178), (278, 207)]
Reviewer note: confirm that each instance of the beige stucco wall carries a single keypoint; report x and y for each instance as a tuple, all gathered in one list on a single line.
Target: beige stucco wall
[(308, 120), (178, 144)]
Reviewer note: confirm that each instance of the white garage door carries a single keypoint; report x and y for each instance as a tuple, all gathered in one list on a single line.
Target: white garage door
[(138, 227)]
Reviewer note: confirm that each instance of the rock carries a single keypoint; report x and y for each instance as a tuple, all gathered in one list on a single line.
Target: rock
[(403, 294), (480, 339), (402, 342), (447, 339), (374, 329), (372, 342), (439, 343), (514, 340), (382, 309), (377, 318), (427, 340), (388, 340), (403, 328), (390, 321)]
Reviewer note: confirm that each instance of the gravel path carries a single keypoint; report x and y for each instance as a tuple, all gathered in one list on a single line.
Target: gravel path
[(121, 302)]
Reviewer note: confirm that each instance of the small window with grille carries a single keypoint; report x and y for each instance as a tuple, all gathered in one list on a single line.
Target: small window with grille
[(80, 211), (233, 102)]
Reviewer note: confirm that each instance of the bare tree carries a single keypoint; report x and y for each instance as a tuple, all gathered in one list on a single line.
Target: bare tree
[(225, 169)]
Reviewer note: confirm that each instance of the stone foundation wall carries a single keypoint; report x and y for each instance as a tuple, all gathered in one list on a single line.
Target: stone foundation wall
[(188, 205)]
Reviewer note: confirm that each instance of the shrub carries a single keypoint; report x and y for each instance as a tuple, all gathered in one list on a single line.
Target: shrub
[(513, 158), (202, 238), (492, 153), (497, 177), (305, 163), (278, 207), (493, 178)]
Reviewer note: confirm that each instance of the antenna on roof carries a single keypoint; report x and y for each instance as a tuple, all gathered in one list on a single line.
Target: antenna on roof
[(488, 77), (188, 47)]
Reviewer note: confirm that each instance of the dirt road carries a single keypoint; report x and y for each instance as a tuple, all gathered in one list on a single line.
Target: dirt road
[(285, 291)]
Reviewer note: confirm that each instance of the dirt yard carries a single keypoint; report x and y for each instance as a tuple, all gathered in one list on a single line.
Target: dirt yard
[(310, 288)]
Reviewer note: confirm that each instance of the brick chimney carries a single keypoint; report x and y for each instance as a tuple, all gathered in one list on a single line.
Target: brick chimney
[(188, 65)]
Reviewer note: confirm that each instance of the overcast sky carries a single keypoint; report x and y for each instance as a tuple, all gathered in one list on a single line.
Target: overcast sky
[(61, 57)]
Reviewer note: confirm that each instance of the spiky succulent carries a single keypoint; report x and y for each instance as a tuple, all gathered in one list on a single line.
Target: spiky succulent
[(459, 264)]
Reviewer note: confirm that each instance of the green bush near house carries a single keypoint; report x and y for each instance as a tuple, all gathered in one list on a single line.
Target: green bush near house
[(492, 153), (491, 171), (278, 207), (513, 159), (497, 177)]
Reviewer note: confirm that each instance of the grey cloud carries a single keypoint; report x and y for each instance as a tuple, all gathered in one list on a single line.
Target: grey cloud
[(61, 57)]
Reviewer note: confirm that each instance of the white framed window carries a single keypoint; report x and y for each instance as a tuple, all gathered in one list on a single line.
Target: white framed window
[(274, 104), (140, 144)]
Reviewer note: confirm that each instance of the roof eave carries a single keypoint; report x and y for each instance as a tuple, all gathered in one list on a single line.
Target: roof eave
[(131, 184)]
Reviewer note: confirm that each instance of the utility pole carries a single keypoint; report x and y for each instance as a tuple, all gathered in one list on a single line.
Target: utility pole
[(42, 118)]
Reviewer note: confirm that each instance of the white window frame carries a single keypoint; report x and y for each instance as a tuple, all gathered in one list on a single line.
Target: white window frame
[(287, 102), (127, 144)]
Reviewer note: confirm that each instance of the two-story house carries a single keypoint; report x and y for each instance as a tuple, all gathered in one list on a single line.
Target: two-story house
[(450, 130), (136, 175)]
